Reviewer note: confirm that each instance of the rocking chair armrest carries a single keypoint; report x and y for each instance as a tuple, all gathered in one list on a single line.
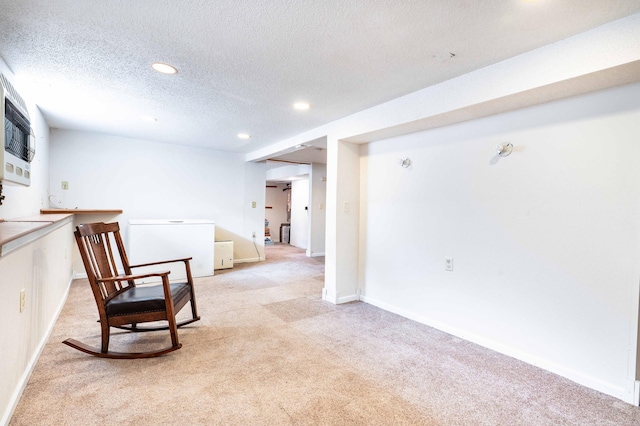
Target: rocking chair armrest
[(164, 275), (186, 259), (133, 277)]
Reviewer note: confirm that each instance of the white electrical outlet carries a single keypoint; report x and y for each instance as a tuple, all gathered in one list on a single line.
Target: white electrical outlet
[(448, 263), (65, 185), (23, 300), (253, 204)]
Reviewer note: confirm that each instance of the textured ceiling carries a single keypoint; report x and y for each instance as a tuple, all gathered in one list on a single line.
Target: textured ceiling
[(242, 64)]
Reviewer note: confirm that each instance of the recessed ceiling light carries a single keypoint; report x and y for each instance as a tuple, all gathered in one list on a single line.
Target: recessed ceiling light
[(301, 106), (244, 135), (164, 68), (148, 118)]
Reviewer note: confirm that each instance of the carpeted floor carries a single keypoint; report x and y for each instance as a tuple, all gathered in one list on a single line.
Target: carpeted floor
[(269, 351)]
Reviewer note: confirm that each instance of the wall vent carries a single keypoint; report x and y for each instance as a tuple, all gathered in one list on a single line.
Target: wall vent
[(11, 93)]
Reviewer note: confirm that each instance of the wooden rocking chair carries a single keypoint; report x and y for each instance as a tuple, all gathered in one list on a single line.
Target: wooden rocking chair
[(123, 304)]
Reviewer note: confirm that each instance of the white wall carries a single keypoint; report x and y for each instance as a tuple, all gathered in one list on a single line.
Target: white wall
[(253, 179), (546, 242), (288, 172), (299, 213), (276, 198), (151, 180), (317, 209)]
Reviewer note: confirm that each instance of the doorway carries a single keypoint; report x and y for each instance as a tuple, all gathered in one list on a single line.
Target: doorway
[(295, 199), (287, 212), (277, 212)]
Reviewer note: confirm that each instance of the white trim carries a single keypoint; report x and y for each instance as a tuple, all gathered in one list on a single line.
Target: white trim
[(15, 398), (627, 393), (248, 260), (347, 299), (79, 275), (636, 393), (317, 254)]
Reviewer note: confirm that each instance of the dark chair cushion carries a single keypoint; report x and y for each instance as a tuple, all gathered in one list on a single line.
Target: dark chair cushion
[(141, 299)]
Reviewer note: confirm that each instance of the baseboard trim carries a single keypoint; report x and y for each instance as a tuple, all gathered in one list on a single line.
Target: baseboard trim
[(24, 379), (347, 299), (317, 254), (629, 393), (248, 260), (79, 275)]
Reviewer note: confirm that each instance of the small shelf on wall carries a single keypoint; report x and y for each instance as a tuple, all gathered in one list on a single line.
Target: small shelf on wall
[(81, 211)]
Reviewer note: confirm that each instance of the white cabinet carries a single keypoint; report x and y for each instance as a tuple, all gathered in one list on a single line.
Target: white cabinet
[(223, 255), (156, 240)]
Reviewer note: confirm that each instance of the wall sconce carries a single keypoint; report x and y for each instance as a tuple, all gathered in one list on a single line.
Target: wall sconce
[(404, 162), (504, 149)]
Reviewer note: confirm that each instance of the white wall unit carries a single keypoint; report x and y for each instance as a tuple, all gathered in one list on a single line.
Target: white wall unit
[(223, 258), (156, 240)]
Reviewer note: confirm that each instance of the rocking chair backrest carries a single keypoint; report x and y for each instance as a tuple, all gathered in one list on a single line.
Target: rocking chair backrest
[(96, 244)]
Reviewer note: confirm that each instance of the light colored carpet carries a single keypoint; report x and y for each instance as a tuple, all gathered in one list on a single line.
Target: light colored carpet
[(269, 351)]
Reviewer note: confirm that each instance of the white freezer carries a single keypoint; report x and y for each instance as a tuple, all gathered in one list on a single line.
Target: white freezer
[(156, 240)]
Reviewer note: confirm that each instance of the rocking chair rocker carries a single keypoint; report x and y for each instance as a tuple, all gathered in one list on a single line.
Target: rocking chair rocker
[(123, 304)]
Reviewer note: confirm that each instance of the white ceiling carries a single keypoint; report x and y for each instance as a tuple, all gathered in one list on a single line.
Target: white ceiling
[(242, 64)]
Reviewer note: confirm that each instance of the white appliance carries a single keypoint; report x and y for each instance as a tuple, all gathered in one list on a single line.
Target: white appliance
[(156, 240), (17, 140), (223, 255)]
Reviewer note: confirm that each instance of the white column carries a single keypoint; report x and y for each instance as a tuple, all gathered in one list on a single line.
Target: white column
[(342, 221)]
